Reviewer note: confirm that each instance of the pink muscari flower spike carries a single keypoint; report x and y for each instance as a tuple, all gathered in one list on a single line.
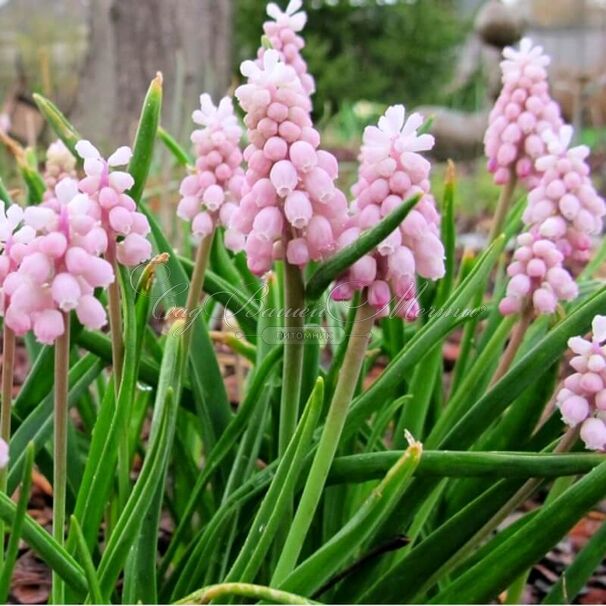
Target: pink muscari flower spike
[(582, 399), (289, 193), (283, 34), (562, 214), (523, 111), (46, 282), (213, 191), (391, 171), (127, 229)]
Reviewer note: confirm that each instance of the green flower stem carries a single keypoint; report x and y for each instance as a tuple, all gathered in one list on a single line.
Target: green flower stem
[(60, 449), (8, 364), (517, 336), (259, 592), (328, 443), (292, 369), (195, 290), (503, 205)]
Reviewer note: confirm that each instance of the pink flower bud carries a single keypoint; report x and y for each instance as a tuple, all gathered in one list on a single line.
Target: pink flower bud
[(298, 209), (91, 313), (268, 223), (202, 225), (574, 410), (284, 178), (593, 433), (297, 252), (303, 156), (48, 325), (66, 291)]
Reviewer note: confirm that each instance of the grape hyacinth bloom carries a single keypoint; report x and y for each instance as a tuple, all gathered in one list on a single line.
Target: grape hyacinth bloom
[(582, 400), (391, 171), (126, 228), (3, 454), (282, 34), (522, 112), (213, 192), (290, 205), (565, 206), (562, 214), (60, 268), (15, 235), (537, 275)]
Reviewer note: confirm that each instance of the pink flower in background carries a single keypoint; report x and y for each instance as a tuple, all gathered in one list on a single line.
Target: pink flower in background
[(290, 205), (14, 239), (213, 191), (565, 206), (126, 228), (60, 268), (60, 163), (282, 35), (537, 274), (521, 114), (391, 171), (582, 400), (562, 214), (3, 454)]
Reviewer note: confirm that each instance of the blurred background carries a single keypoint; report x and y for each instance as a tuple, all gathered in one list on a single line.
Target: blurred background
[(95, 59)]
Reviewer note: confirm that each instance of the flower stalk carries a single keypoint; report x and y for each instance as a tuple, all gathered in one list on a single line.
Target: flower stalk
[(61, 412), (294, 324), (503, 205), (517, 336), (195, 290), (329, 441)]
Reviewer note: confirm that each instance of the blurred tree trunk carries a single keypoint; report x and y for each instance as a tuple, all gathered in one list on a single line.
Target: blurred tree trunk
[(189, 41)]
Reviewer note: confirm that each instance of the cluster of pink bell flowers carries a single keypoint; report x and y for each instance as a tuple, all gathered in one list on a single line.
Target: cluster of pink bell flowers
[(282, 32), (52, 258), (212, 193), (564, 211), (582, 400), (523, 111), (527, 141), (391, 171), (290, 206)]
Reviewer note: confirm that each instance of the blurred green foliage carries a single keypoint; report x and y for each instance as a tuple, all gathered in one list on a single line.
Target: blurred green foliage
[(387, 51)]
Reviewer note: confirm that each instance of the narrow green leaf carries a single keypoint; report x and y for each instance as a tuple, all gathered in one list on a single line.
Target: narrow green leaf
[(327, 271), (410, 572), (38, 425), (145, 138), (46, 547), (4, 194), (178, 152), (484, 581), (206, 595), (131, 517), (226, 442), (60, 124), (12, 549), (443, 463), (87, 563), (575, 577), (448, 232), (279, 495), (320, 566)]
